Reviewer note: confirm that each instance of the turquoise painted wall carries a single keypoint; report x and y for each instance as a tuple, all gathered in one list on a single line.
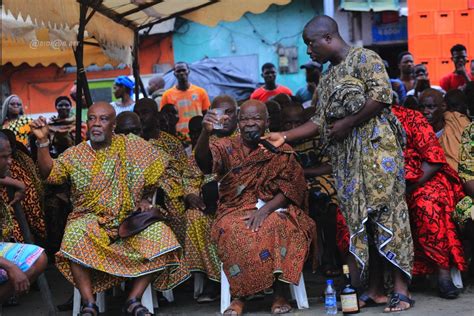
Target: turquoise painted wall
[(252, 34)]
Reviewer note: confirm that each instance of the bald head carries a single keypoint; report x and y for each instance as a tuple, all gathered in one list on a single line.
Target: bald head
[(433, 93), (128, 123), (323, 41), (322, 24), (102, 106), (253, 106), (155, 83)]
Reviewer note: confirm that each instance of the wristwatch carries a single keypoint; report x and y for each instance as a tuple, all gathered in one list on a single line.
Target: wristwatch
[(42, 145)]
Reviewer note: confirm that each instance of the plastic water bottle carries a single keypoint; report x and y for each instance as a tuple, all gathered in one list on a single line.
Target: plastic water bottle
[(330, 302)]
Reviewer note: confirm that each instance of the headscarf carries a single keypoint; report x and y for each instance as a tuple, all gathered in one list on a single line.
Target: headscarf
[(126, 82), (5, 105)]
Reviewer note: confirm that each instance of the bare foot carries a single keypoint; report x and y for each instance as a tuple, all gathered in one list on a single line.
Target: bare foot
[(235, 308), (280, 306)]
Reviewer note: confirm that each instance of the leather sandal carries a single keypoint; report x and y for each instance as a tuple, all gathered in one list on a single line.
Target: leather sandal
[(394, 301), (138, 309), (89, 309)]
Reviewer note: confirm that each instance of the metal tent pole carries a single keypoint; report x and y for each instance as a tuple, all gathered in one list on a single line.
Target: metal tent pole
[(136, 68), (79, 55)]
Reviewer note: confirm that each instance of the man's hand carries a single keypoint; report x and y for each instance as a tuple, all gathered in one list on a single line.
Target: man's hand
[(40, 129), (19, 196), (20, 281), (194, 201), (255, 219), (340, 129), (276, 139), (210, 119)]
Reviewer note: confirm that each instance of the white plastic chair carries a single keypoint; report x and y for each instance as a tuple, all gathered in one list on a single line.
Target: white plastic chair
[(298, 292), (148, 300)]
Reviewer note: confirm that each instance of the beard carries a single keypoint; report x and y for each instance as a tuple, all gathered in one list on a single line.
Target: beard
[(97, 139)]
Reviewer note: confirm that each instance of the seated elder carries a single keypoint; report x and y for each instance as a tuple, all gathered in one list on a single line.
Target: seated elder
[(111, 176), (261, 231)]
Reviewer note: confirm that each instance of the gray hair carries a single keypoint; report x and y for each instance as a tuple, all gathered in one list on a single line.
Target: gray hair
[(6, 103)]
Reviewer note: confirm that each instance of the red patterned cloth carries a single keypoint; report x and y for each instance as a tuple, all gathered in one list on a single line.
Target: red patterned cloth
[(252, 260), (434, 233)]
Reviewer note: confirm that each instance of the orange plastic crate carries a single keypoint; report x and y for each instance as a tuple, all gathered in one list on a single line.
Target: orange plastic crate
[(452, 4), (425, 46), (463, 21), (444, 21), (415, 6), (421, 23), (449, 40)]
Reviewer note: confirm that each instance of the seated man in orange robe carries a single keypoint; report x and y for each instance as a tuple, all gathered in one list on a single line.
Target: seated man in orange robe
[(261, 231)]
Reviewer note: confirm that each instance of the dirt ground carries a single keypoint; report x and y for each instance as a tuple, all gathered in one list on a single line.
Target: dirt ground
[(427, 302)]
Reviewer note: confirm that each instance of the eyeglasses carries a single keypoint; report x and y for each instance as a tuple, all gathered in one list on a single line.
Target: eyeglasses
[(16, 104)]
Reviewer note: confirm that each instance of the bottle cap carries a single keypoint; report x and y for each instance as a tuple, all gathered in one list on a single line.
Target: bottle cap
[(345, 269), (329, 282)]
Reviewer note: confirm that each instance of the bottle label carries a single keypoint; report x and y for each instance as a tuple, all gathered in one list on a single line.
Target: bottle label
[(330, 301), (349, 303)]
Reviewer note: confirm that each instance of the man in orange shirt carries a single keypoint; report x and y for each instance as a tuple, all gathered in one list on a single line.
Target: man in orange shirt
[(189, 100)]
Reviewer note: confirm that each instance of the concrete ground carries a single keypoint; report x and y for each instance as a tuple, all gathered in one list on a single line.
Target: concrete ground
[(427, 302)]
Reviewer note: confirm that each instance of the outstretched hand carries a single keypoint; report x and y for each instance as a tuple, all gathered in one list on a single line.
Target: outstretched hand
[(276, 139)]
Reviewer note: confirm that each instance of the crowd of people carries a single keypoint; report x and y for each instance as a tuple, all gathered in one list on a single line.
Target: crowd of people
[(355, 168)]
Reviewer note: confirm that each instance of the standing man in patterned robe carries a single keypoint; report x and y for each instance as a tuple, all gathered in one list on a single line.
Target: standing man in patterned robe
[(353, 115), (111, 176)]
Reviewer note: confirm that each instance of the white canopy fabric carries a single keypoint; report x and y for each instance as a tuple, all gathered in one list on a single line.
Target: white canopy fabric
[(114, 21)]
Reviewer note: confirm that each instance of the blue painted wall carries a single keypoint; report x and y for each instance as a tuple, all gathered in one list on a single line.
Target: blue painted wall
[(252, 34)]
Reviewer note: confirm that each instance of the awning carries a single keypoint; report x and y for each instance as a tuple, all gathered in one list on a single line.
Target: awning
[(114, 22), (370, 5), (24, 42)]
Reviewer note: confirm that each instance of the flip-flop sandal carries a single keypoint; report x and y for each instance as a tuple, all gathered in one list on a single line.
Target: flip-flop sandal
[(369, 302), (395, 299), (236, 306)]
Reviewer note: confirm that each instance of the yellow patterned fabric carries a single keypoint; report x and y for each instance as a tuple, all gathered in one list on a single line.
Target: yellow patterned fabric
[(106, 186), (21, 128), (6, 222), (190, 226), (466, 154), (200, 252), (180, 179)]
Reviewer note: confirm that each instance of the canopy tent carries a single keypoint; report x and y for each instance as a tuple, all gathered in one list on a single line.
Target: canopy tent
[(116, 24)]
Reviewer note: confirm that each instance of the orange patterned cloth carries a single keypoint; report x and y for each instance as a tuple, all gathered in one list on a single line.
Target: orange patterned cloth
[(106, 186), (23, 169), (252, 260)]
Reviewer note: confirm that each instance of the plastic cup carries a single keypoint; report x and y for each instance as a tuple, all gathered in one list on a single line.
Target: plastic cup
[(219, 115)]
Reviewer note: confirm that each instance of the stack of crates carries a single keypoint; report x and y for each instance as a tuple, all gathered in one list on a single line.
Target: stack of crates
[(434, 26)]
